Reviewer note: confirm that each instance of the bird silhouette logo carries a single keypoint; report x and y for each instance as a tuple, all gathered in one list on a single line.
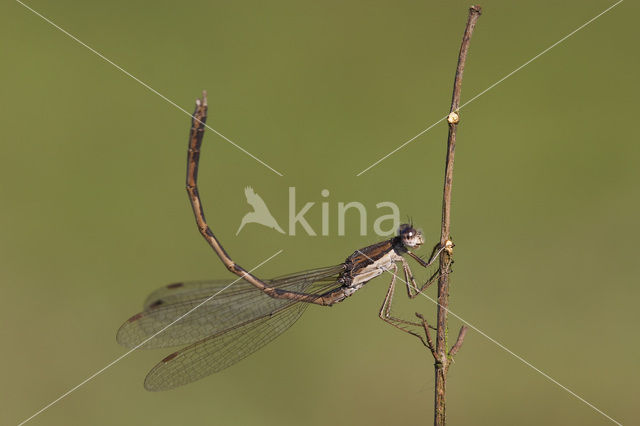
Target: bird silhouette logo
[(260, 213)]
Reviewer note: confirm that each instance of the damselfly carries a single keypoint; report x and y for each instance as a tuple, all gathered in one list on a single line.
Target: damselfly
[(243, 318), (222, 327)]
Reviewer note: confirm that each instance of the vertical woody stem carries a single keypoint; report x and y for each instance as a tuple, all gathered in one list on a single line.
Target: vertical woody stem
[(442, 358)]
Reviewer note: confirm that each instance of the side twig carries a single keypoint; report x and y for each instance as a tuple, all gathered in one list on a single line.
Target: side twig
[(456, 347), (443, 358)]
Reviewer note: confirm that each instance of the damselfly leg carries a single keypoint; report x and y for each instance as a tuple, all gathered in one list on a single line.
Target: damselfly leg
[(412, 288), (412, 291), (385, 311)]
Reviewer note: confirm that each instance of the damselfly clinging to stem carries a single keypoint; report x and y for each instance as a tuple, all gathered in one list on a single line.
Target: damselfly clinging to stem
[(229, 325)]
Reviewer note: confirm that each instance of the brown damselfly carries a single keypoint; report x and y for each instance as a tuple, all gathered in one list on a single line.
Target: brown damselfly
[(222, 322)]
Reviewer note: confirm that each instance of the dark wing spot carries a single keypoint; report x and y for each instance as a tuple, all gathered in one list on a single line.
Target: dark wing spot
[(156, 303), (170, 357), (175, 285), (136, 317)]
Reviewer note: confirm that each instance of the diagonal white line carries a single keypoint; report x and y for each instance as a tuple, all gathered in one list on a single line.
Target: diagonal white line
[(91, 377), (519, 358), (403, 145), (503, 347), (540, 54), (493, 85), (145, 85)]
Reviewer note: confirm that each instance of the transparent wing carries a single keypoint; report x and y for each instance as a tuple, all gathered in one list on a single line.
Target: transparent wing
[(238, 304), (221, 350), (184, 291)]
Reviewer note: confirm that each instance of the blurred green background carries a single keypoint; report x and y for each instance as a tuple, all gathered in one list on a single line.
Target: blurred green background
[(545, 216)]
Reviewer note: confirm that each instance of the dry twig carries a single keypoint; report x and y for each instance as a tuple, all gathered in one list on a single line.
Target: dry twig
[(439, 349), (443, 358)]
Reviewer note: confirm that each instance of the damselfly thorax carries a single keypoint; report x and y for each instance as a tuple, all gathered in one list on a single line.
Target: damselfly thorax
[(372, 261)]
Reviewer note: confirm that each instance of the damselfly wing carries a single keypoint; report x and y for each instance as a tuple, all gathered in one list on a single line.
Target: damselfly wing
[(224, 330)]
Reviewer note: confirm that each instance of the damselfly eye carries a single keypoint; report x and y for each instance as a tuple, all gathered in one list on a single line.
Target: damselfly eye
[(405, 230), (410, 236)]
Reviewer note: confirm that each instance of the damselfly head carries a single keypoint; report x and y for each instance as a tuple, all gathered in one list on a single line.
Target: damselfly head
[(411, 237)]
